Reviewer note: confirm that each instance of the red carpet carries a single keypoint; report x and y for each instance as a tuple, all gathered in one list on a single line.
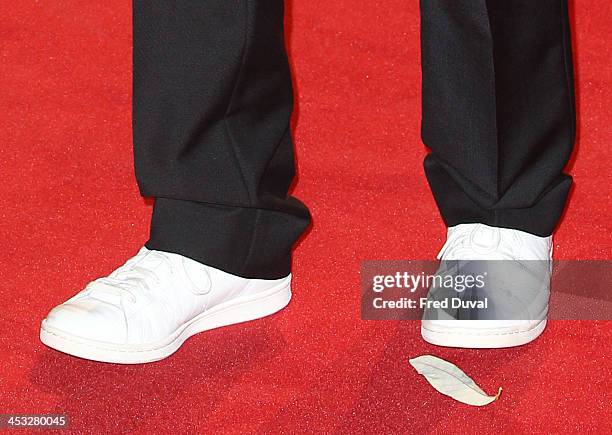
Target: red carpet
[(71, 212)]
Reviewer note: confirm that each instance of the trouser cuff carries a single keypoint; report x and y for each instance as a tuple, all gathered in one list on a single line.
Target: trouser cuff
[(247, 242), (457, 207)]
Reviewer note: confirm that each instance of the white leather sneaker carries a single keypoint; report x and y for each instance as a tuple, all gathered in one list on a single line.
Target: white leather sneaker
[(524, 282), (147, 308)]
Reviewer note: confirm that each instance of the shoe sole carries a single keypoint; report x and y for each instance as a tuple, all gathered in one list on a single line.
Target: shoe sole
[(231, 312), (481, 339)]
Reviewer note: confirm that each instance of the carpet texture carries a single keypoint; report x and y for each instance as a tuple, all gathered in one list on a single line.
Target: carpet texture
[(70, 212)]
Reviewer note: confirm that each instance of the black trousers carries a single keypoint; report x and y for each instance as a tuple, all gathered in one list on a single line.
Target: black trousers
[(213, 99), (212, 103), (498, 110)]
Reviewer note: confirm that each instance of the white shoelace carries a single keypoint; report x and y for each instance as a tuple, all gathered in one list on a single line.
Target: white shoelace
[(463, 243), (131, 279)]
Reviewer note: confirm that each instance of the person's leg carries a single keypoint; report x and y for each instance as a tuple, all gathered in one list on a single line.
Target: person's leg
[(212, 102), (499, 118), (498, 110)]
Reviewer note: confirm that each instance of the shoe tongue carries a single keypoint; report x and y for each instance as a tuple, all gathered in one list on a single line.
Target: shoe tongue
[(485, 238), (144, 260), (150, 261)]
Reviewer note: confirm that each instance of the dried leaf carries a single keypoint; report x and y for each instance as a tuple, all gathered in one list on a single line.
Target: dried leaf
[(451, 381)]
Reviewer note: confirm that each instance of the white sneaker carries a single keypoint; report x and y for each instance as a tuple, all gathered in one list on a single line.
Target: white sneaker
[(147, 308), (528, 259)]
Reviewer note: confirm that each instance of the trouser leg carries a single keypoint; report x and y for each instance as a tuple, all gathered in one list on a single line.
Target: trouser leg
[(212, 103), (498, 110)]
